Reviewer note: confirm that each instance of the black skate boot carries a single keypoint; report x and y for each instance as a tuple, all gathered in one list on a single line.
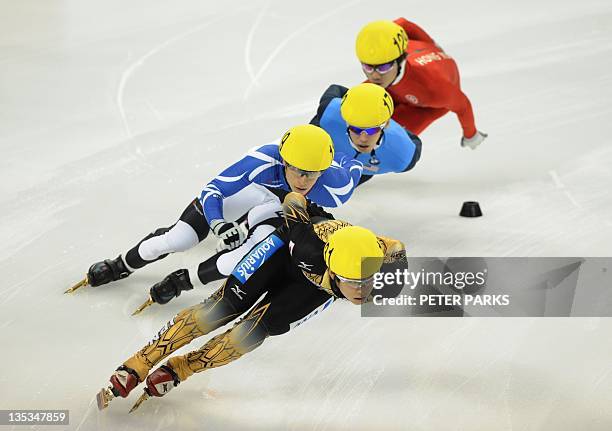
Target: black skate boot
[(171, 286), (167, 289), (106, 271), (102, 273)]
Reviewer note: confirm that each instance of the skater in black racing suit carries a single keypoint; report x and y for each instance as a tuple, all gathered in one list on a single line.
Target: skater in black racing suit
[(302, 268)]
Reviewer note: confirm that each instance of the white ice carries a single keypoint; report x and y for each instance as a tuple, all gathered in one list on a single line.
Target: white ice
[(114, 114)]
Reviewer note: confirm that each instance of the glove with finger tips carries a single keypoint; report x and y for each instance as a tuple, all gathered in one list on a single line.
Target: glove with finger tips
[(229, 232)]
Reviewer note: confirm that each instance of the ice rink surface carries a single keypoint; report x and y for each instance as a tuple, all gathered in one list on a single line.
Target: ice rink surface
[(114, 114)]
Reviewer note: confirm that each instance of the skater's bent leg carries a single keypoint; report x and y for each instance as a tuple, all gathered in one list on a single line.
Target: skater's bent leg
[(245, 336), (222, 264), (186, 326), (186, 233), (266, 213), (232, 300), (180, 237), (289, 303)]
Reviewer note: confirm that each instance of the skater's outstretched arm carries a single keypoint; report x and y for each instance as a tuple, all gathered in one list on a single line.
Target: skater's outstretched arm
[(236, 178)]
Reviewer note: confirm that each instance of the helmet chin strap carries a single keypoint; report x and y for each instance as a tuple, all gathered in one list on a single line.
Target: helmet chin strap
[(334, 287), (285, 176), (401, 68)]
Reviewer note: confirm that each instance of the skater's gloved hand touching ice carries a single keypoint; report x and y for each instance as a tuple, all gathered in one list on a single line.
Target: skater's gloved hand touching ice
[(230, 233), (474, 141), (171, 286)]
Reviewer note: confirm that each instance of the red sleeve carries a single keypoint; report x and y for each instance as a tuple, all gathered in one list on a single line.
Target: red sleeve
[(452, 98), (413, 31)]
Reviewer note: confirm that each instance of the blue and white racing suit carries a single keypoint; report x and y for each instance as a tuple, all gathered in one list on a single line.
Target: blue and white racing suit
[(255, 180)]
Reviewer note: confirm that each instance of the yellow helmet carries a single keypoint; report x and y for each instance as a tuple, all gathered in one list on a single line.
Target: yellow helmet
[(346, 249), (307, 147), (366, 105), (380, 42)]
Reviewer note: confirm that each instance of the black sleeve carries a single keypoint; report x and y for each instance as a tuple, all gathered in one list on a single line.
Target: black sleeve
[(315, 210), (363, 179), (333, 91), (306, 249), (417, 150)]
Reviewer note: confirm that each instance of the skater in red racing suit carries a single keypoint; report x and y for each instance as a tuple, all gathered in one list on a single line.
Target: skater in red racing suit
[(420, 76)]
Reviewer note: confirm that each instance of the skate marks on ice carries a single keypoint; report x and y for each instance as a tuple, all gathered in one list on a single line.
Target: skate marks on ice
[(190, 410), (528, 217), (334, 390), (283, 43), (249, 42), (14, 290), (505, 394), (560, 185), (90, 409), (550, 43), (131, 69)]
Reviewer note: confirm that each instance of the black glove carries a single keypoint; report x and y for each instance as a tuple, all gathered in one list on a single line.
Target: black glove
[(171, 286), (315, 210)]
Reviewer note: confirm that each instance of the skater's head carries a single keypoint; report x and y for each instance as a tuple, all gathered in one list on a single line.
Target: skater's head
[(307, 151), (353, 255), (381, 49), (367, 109)]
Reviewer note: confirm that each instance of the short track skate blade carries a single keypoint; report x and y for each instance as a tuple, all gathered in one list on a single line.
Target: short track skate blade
[(82, 283), (104, 397), (145, 396), (140, 309)]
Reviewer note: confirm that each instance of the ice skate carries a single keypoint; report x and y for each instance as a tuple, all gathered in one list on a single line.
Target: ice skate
[(105, 396), (167, 289), (159, 383), (123, 380), (102, 273)]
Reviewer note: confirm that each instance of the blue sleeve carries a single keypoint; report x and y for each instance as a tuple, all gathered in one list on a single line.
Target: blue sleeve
[(337, 183), (401, 149), (233, 179)]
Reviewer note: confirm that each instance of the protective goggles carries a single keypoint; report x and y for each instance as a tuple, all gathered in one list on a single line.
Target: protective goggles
[(302, 173), (368, 130), (380, 68), (366, 283)]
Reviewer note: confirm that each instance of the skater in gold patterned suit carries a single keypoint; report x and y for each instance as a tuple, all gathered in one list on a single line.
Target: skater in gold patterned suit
[(302, 268)]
